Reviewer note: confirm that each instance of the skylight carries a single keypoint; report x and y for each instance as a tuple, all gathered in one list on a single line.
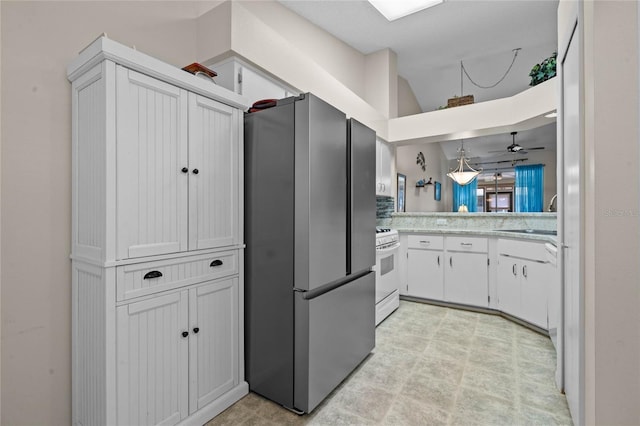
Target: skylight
[(395, 9)]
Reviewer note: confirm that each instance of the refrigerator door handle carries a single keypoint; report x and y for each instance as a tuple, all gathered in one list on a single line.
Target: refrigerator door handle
[(316, 292)]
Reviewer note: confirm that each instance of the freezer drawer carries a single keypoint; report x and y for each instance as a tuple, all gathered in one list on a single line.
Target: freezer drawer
[(334, 332)]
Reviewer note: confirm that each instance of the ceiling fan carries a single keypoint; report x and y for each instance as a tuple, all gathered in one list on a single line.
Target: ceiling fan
[(513, 162), (515, 148)]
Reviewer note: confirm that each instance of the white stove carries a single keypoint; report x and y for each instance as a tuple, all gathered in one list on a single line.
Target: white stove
[(387, 291)]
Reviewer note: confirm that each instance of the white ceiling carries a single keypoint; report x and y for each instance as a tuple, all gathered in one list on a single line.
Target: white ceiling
[(431, 43)]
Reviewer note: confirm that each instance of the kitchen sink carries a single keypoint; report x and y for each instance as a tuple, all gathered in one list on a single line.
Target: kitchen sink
[(530, 231)]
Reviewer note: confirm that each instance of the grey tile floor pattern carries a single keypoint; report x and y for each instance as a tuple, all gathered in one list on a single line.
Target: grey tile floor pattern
[(435, 366)]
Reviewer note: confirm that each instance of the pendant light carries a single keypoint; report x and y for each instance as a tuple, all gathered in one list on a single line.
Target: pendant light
[(459, 175)]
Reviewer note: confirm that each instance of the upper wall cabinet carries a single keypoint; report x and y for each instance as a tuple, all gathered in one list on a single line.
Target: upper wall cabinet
[(240, 77), (384, 163)]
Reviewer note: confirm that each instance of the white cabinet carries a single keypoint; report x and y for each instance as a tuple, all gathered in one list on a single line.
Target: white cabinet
[(467, 271), (152, 361), (157, 277), (176, 168), (213, 342), (425, 267), (384, 164), (456, 269), (508, 285), (176, 353), (523, 275), (448, 268), (214, 143), (240, 77)]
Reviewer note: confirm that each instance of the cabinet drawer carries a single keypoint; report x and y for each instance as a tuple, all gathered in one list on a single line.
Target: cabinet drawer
[(467, 244), (431, 242), (523, 250), (141, 279)]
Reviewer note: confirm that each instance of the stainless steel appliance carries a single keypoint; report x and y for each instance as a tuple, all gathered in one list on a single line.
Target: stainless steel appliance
[(387, 291), (309, 229)]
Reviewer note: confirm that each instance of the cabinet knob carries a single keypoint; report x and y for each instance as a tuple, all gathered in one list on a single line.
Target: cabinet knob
[(185, 333), (195, 171), (185, 170), (195, 330)]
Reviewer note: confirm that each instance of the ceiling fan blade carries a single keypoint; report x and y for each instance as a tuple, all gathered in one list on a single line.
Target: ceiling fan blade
[(538, 147), (500, 150)]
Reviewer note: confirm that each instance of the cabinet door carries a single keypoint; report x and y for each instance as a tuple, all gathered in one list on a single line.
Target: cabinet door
[(509, 285), (151, 150), (534, 284), (213, 173), (466, 279), (425, 274), (152, 356), (213, 342), (384, 158)]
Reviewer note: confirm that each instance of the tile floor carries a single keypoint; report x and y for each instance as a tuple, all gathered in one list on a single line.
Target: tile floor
[(435, 366)]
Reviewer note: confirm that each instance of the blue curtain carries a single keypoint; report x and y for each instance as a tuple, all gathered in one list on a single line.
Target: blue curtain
[(529, 191), (467, 195)]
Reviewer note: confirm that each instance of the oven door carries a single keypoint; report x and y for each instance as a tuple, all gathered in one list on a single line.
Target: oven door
[(386, 271)]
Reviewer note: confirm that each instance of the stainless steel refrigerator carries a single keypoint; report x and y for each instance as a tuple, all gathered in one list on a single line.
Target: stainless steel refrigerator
[(310, 247)]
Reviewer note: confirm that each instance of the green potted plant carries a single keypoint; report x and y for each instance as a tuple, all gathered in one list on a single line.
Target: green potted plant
[(544, 70)]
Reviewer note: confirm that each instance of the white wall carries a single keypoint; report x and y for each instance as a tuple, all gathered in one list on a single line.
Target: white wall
[(381, 82), (260, 35), (407, 102), (485, 70), (340, 60), (422, 199), (39, 39)]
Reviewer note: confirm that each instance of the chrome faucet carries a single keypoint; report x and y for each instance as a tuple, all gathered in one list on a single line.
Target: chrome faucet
[(553, 199)]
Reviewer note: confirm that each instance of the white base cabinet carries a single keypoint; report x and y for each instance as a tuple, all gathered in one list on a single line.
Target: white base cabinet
[(467, 271), (425, 266), (157, 274), (456, 269), (448, 268), (524, 274)]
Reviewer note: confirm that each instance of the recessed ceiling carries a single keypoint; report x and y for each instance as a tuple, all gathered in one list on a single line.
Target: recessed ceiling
[(431, 43)]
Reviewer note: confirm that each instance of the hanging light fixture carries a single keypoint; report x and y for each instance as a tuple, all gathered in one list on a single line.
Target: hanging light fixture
[(459, 175)]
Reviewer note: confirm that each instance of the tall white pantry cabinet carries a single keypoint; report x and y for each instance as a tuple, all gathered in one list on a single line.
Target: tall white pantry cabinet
[(157, 244)]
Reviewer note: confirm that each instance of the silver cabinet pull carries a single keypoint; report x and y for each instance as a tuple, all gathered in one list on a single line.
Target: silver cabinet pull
[(438, 260), (524, 271), (451, 261), (466, 244), (513, 270)]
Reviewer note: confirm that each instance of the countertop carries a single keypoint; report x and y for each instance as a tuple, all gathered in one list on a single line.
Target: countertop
[(475, 224), (483, 233)]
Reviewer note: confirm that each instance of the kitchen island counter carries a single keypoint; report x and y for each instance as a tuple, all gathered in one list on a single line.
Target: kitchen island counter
[(501, 225)]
